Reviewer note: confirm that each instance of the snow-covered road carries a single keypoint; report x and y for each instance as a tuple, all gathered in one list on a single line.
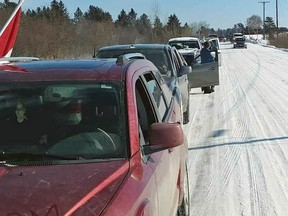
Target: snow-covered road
[(238, 137)]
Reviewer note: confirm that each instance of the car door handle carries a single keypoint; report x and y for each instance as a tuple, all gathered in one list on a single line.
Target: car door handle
[(213, 68)]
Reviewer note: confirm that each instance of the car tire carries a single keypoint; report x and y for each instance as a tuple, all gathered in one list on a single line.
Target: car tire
[(207, 90), (184, 208), (212, 88)]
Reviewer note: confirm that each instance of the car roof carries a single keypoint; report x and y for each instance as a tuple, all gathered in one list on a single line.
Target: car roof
[(237, 33), (135, 46), (184, 39), (66, 70)]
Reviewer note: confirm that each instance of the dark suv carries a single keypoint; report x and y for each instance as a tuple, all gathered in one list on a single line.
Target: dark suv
[(167, 59), (240, 42)]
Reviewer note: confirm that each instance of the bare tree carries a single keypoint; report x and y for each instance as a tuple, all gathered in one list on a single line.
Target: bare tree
[(200, 29), (254, 23)]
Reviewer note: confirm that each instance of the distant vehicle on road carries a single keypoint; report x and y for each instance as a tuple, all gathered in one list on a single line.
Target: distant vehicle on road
[(237, 34), (240, 42), (222, 39)]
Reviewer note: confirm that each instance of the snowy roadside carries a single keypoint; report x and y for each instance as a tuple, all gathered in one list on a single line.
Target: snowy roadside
[(258, 39)]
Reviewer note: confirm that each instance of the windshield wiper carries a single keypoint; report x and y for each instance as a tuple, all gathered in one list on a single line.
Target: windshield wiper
[(18, 156)]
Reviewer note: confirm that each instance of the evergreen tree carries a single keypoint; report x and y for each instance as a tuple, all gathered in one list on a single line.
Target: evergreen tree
[(174, 25), (78, 15), (58, 11), (97, 14), (123, 19), (7, 5), (132, 16), (143, 24), (158, 30), (270, 24), (270, 27)]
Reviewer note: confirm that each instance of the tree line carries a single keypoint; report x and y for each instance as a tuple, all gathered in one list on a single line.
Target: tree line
[(49, 32)]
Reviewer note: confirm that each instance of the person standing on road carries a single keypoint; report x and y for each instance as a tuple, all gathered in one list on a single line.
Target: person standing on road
[(206, 57), (205, 53)]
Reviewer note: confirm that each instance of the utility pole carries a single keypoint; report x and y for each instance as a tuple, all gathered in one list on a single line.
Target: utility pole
[(277, 27), (264, 2)]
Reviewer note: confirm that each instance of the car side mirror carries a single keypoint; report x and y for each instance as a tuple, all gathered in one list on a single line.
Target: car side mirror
[(163, 136), (185, 69)]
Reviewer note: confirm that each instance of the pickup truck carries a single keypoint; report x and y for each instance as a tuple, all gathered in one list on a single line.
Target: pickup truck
[(186, 45)]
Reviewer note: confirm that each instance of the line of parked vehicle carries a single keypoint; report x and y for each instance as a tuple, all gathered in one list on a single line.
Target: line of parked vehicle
[(104, 135)]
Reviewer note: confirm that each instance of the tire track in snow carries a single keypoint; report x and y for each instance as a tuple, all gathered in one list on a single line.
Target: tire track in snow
[(277, 160), (261, 206), (207, 187), (220, 180)]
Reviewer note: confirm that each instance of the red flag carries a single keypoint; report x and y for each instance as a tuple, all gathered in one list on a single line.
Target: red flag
[(8, 34)]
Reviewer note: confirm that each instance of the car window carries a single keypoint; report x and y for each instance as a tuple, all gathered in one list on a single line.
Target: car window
[(63, 119), (176, 60), (156, 93), (145, 111), (157, 56), (184, 44)]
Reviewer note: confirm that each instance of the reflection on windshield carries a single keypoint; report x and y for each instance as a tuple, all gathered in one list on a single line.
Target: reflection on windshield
[(70, 121)]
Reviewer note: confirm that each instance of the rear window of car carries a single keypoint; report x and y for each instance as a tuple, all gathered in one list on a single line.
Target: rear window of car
[(67, 120), (157, 56), (184, 44)]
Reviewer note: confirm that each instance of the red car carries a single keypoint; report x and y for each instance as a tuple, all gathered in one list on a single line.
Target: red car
[(90, 137)]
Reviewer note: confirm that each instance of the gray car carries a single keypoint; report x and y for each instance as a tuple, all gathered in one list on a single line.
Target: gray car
[(169, 62)]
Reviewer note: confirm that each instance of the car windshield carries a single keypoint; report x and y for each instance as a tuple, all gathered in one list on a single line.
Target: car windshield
[(158, 56), (64, 120), (184, 44), (240, 39)]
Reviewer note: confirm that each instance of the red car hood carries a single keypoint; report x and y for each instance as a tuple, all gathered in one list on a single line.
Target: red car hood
[(59, 189)]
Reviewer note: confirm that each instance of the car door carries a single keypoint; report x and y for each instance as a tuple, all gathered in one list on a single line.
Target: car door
[(206, 74), (165, 163)]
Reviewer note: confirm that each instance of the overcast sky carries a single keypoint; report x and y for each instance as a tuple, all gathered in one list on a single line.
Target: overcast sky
[(217, 13)]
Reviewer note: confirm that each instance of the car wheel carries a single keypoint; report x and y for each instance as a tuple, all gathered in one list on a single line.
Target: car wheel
[(212, 89), (207, 90), (184, 208)]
